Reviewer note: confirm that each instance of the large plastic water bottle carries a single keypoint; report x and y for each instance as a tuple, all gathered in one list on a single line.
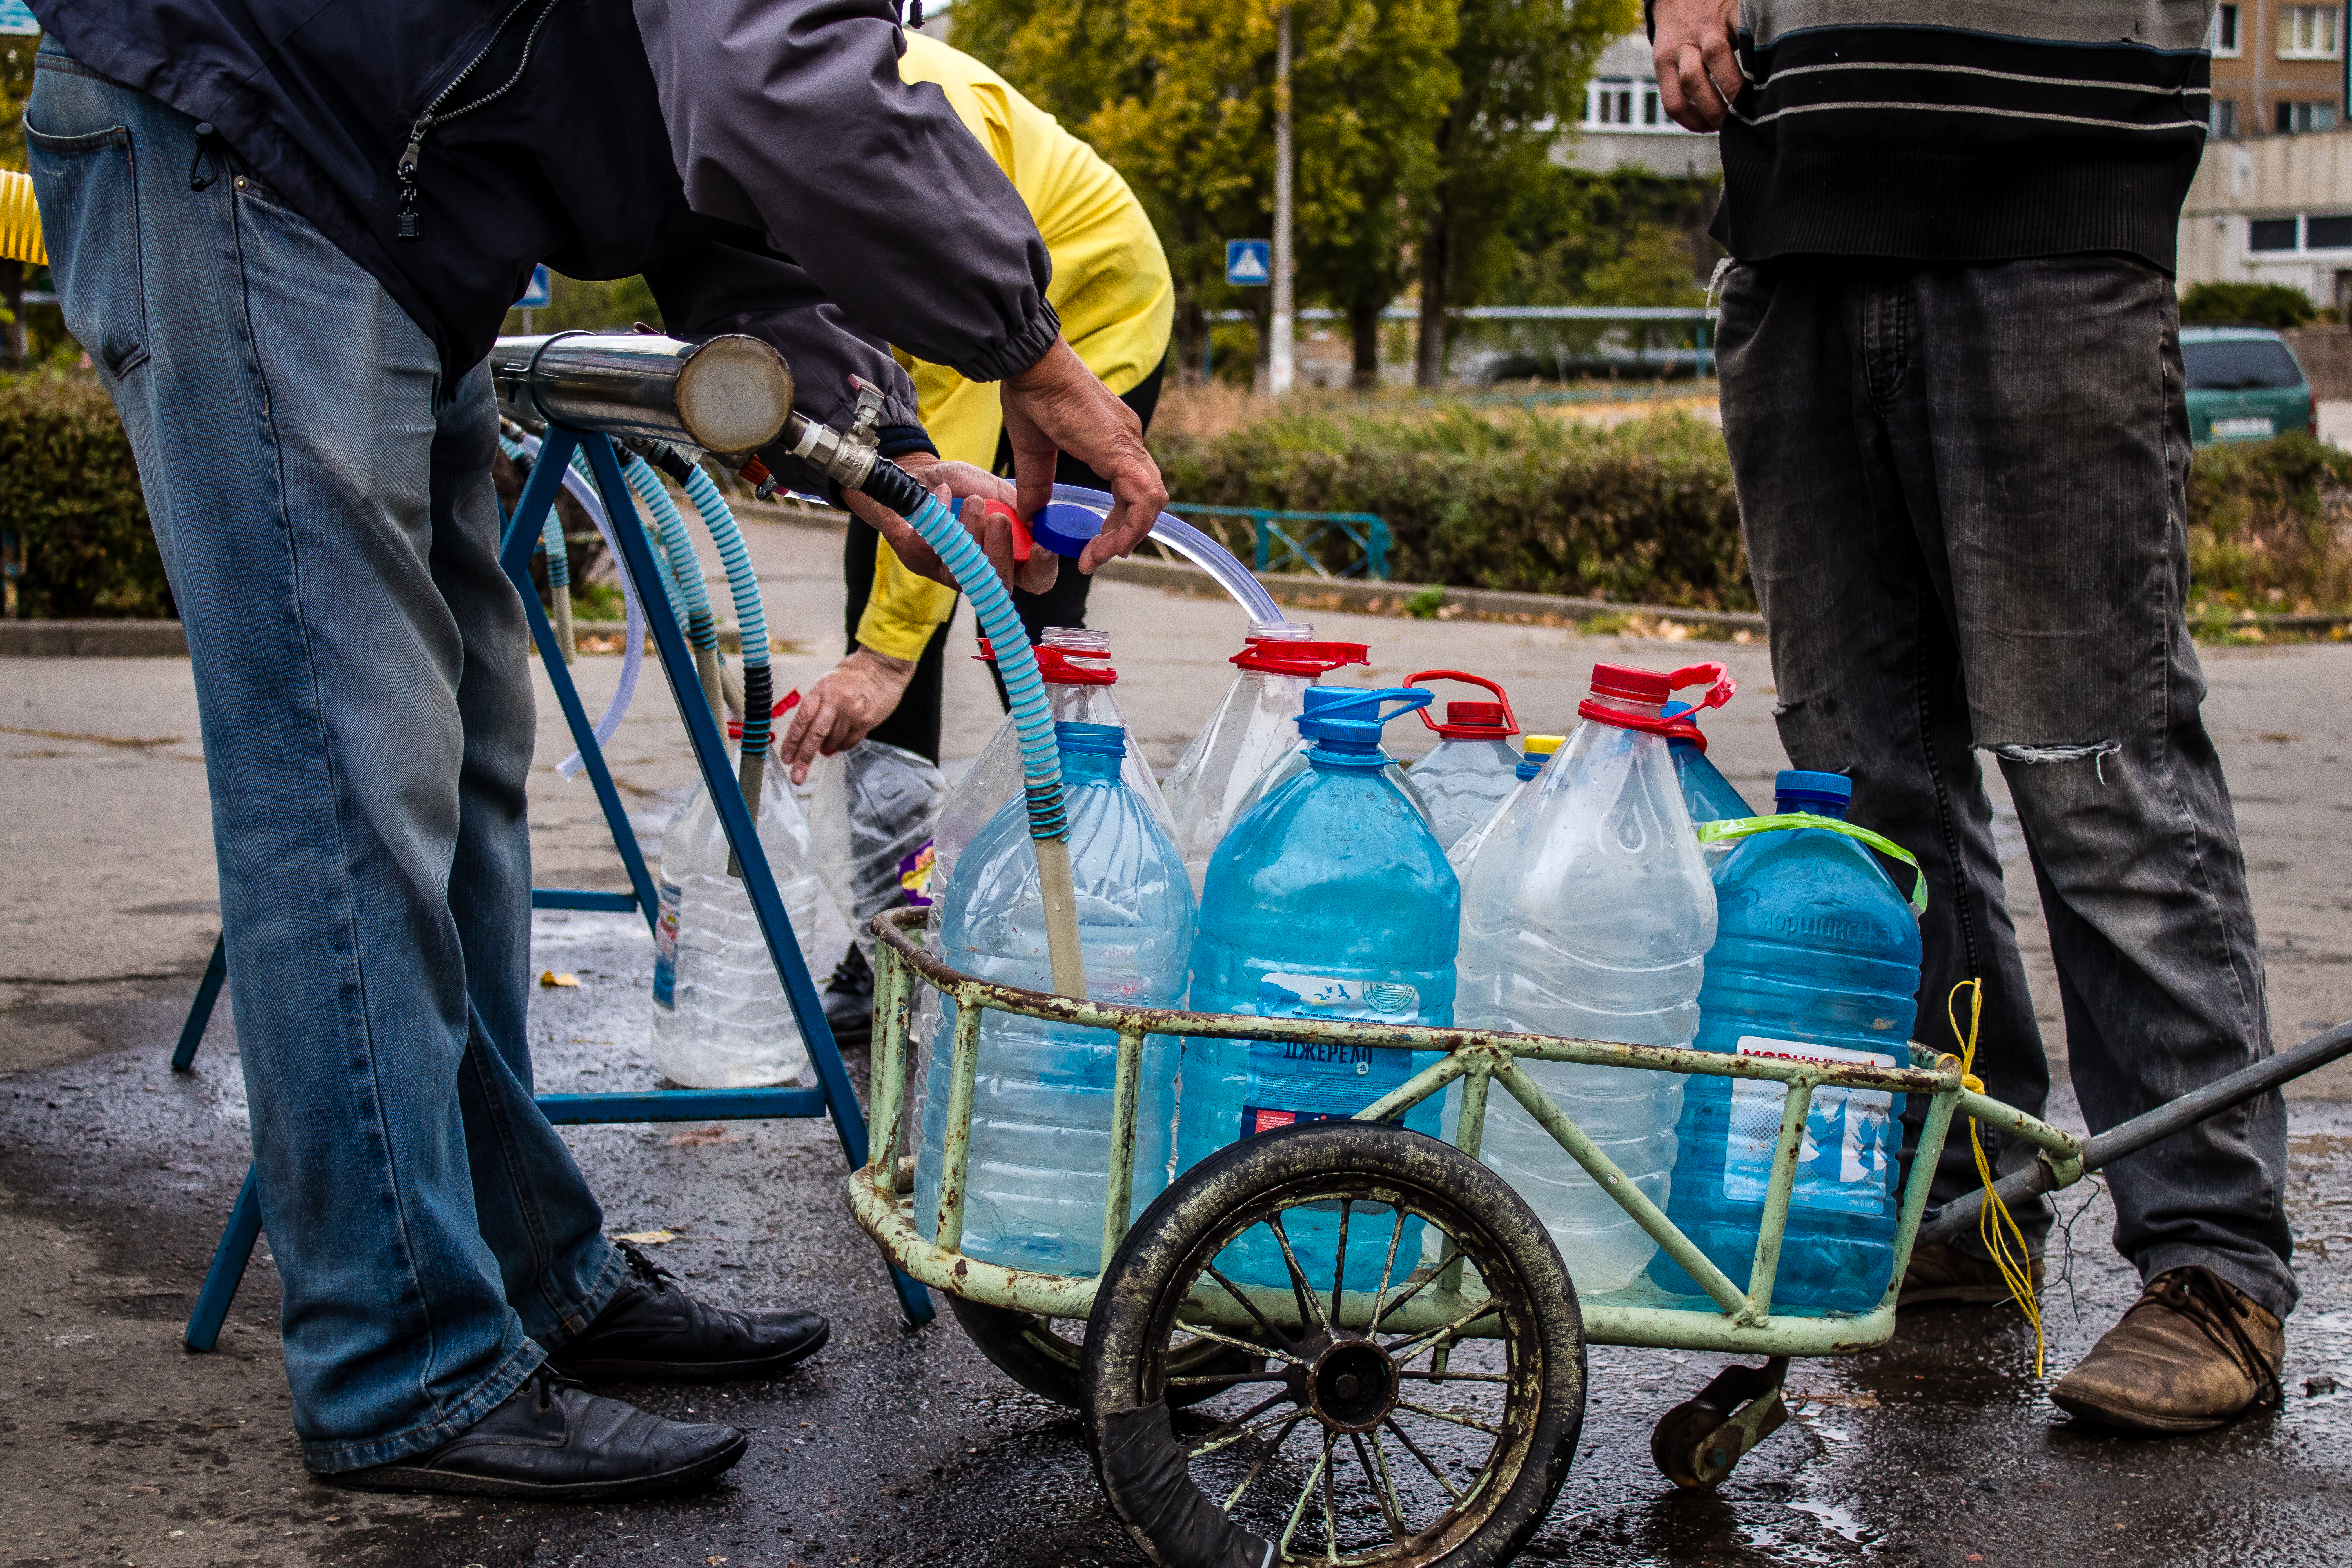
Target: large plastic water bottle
[(1540, 750), (1330, 899), (1472, 768), (1041, 1106), (1709, 795), (720, 1016), (1250, 732), (1588, 913), (1816, 957)]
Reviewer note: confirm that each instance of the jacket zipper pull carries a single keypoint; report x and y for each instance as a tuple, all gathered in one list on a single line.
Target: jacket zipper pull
[(406, 169)]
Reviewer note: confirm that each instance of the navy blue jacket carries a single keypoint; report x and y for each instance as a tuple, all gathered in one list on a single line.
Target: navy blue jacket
[(847, 209)]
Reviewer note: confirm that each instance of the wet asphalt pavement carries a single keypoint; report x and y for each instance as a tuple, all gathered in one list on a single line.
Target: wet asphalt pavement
[(898, 1447), (906, 1447)]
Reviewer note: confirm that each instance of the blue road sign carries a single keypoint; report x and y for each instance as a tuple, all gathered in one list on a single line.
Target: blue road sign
[(536, 296), (1249, 262), (16, 17)]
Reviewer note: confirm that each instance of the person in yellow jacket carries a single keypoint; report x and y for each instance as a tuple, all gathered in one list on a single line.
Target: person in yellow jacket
[(1112, 289)]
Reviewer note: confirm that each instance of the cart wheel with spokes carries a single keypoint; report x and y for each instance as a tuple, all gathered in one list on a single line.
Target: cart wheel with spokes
[(1042, 1355), (1423, 1379)]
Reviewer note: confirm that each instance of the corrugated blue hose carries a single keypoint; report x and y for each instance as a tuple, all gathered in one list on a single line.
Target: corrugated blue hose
[(1033, 716), (750, 614)]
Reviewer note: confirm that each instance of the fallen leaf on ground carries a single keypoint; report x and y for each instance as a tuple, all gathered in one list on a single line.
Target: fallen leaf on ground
[(648, 1238), (550, 978), (143, 1491), (701, 1135)]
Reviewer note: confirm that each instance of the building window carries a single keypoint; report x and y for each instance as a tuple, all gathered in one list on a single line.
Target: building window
[(1617, 103), (2225, 118), (2223, 38), (2271, 234), (2306, 33), (2295, 117), (2330, 231)]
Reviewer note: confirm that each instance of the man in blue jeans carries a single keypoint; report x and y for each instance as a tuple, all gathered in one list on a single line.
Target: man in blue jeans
[(286, 233), (1953, 396)]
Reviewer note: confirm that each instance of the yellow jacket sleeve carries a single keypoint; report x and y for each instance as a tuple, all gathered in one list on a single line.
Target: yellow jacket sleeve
[(1111, 287)]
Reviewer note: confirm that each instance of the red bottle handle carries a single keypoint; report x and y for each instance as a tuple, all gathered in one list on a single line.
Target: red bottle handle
[(1022, 542), (1510, 720), (1721, 689)]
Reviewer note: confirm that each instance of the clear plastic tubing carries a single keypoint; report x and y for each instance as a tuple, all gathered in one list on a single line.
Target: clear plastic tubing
[(1077, 514), (633, 655)]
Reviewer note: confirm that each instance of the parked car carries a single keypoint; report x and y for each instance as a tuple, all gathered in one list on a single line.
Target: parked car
[(2244, 384)]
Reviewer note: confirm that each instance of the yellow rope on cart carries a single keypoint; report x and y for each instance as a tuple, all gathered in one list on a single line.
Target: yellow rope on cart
[(1995, 1228)]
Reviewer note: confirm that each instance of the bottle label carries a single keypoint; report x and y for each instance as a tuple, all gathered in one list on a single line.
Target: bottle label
[(915, 875), (1848, 1146), (1292, 1081), (666, 946)]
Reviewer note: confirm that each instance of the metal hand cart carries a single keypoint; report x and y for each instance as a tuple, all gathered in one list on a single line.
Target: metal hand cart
[(1427, 1415)]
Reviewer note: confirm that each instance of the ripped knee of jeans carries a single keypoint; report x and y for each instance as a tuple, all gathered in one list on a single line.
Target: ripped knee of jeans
[(2093, 752)]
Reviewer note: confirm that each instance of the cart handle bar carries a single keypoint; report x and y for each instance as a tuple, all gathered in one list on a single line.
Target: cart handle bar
[(2148, 1129)]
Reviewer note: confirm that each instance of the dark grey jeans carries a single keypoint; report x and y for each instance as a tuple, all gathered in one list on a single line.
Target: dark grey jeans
[(1963, 491)]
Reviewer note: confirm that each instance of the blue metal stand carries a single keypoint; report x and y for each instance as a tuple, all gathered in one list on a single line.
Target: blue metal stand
[(834, 1094)]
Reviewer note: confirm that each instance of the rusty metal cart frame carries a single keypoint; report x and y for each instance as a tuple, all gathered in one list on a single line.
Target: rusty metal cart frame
[(1700, 1441)]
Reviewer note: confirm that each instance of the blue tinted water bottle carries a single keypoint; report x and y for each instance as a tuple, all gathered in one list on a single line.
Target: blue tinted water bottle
[(1709, 795), (1041, 1106), (1816, 958), (1329, 900)]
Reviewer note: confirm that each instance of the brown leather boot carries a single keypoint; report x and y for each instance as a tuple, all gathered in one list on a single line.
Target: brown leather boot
[(1942, 1272), (2193, 1352)]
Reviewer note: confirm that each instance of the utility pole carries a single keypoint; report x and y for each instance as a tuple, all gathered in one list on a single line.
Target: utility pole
[(1279, 366)]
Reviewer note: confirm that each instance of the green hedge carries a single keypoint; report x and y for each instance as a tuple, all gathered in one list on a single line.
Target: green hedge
[(1643, 513), (2270, 528), (71, 495)]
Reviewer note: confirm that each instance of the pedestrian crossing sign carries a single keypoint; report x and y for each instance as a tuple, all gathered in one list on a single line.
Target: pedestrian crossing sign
[(1249, 262)]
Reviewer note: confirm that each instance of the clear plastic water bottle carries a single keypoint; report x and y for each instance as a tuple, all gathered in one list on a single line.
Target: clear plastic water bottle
[(1041, 1105), (1540, 750), (720, 1017), (871, 817), (1709, 795), (1079, 688), (1472, 768), (1250, 732), (1588, 913), (1816, 957), (1330, 899)]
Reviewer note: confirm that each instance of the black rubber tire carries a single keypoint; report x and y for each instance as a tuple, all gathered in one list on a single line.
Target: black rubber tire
[(1024, 1348), (1137, 1456)]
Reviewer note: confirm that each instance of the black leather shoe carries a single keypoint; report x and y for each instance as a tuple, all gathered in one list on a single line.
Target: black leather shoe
[(652, 1328), (849, 1000), (553, 1441)]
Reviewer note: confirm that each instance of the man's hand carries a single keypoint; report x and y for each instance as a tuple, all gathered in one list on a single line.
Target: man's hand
[(842, 707), (1059, 405), (951, 482), (1698, 73)]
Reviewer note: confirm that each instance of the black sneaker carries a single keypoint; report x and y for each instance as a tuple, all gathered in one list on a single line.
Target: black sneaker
[(653, 1328), (849, 1000), (553, 1441)]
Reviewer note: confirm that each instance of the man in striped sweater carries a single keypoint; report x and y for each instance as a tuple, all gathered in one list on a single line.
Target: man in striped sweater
[(1952, 392)]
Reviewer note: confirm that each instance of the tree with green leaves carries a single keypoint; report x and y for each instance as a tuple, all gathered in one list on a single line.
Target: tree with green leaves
[(1178, 95), (1522, 66)]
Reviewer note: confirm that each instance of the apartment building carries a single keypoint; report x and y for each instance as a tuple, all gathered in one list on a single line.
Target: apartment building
[(2278, 69), (1625, 127)]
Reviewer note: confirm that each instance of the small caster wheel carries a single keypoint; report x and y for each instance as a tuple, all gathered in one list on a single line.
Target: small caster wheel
[(1042, 1355), (1422, 1373), (1699, 1441)]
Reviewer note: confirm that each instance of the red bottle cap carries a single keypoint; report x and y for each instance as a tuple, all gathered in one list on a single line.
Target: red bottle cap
[(1307, 658), (1627, 683), (1470, 720), (789, 701)]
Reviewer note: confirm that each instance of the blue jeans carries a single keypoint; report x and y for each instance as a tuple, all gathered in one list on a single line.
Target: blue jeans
[(323, 505), (1963, 494)]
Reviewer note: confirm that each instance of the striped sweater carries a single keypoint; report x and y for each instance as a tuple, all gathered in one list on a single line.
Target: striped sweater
[(1964, 130)]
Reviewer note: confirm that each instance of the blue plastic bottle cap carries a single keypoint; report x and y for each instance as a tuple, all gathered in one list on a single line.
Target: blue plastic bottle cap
[(1065, 528), (1076, 737), (1812, 789)]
